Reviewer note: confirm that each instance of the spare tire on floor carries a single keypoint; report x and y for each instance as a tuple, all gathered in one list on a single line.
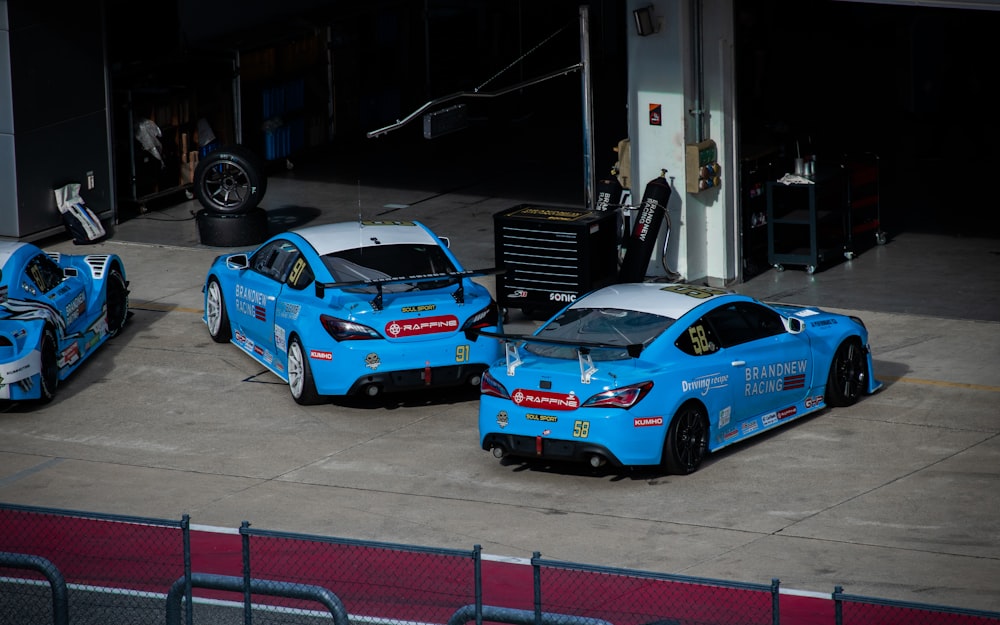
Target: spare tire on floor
[(232, 230), (230, 179)]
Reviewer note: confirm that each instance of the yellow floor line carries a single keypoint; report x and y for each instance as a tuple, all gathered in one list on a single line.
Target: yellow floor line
[(974, 387), (161, 307)]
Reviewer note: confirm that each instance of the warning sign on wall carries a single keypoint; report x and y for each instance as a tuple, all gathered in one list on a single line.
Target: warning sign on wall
[(655, 114)]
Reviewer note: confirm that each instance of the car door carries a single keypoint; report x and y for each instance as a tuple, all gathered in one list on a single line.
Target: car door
[(255, 297), (772, 368)]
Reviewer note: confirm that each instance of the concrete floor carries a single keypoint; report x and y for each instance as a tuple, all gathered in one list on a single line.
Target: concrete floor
[(896, 497)]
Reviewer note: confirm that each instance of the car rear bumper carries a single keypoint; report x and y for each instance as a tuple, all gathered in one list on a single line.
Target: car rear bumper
[(544, 448), (468, 374)]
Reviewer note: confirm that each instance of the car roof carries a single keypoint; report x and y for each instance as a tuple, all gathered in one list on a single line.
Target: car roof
[(668, 300), (328, 238)]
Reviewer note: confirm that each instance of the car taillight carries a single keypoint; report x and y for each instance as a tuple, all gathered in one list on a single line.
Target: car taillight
[(485, 318), (491, 386), (343, 330), (624, 397)]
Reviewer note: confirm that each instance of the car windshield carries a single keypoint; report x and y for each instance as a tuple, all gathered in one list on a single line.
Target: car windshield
[(611, 326), (390, 261)]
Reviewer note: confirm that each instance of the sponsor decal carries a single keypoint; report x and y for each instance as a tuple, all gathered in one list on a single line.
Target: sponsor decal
[(749, 426), (562, 297), (806, 312), (784, 413), (815, 400), (697, 292), (823, 322), (775, 377), (705, 383), (644, 422), (386, 223), (279, 338), (541, 417), (372, 361), (502, 419), (544, 399), (549, 214), (268, 357), (519, 293), (288, 311), (75, 308), (417, 309), (730, 434), (316, 354), (257, 349), (769, 419), (69, 355), (417, 327), (724, 416), (251, 302)]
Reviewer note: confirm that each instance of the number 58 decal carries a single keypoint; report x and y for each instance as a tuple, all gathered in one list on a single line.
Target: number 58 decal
[(581, 429)]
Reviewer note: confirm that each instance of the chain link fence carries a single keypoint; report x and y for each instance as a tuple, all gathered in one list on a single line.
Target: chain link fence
[(63, 567)]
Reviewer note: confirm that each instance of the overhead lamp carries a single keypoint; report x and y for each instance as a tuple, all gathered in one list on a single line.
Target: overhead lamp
[(645, 21)]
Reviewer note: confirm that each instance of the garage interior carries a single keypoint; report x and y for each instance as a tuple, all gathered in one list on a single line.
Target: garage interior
[(908, 82)]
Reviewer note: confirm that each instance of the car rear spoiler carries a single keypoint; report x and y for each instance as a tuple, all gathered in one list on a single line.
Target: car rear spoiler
[(376, 302), (583, 349)]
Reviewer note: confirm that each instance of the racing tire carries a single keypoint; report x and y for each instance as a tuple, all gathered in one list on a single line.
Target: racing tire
[(117, 303), (216, 317), (230, 180), (300, 378), (686, 444), (48, 379), (848, 374), (232, 230)]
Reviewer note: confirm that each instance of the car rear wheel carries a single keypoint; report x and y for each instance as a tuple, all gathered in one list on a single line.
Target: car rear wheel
[(117, 302), (687, 440), (215, 313), (300, 379), (848, 374), (49, 378)]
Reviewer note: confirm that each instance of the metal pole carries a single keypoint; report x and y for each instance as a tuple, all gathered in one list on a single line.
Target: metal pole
[(588, 111)]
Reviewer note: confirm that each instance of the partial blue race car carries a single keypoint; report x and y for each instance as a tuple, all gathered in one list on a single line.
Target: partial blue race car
[(356, 308), (55, 311), (663, 374)]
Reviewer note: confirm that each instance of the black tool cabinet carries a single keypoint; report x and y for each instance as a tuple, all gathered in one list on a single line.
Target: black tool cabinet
[(552, 254), (806, 222)]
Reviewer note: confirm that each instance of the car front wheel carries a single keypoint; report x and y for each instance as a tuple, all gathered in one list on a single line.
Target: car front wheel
[(117, 302), (49, 378), (215, 313), (687, 440), (300, 379), (848, 374)]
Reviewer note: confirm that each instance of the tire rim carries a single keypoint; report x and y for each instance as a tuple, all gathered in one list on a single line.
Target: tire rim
[(691, 439), (296, 369), (227, 185), (851, 372), (214, 308)]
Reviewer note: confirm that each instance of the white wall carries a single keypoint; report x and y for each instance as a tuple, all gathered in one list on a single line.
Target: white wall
[(704, 234)]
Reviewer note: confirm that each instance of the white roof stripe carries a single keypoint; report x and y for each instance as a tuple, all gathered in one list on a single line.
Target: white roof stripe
[(327, 238), (648, 297)]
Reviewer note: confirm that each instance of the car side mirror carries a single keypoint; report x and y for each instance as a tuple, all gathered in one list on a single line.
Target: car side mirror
[(238, 261), (794, 325)]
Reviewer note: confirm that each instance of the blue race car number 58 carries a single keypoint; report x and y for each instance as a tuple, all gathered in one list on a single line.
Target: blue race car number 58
[(581, 429)]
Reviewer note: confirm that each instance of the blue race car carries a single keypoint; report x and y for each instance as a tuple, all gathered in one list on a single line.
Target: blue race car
[(55, 311), (355, 308), (662, 374)]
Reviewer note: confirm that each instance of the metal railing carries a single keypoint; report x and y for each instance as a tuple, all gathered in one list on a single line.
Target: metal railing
[(65, 567)]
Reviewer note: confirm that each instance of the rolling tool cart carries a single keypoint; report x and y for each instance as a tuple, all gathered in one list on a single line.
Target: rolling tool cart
[(862, 202), (805, 221), (552, 254)]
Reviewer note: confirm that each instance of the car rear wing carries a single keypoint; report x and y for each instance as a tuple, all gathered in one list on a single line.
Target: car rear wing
[(583, 350), (379, 283)]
